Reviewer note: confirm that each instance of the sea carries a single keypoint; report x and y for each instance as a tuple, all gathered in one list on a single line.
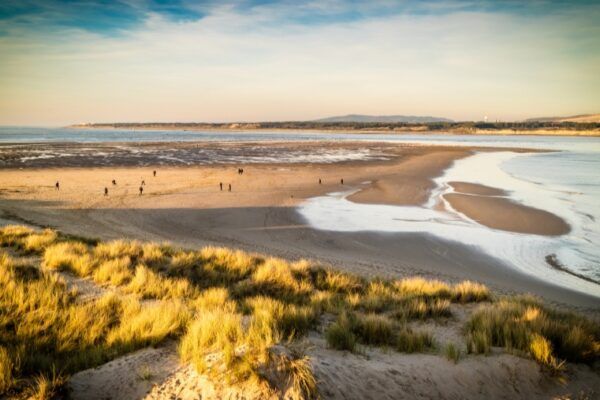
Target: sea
[(564, 181)]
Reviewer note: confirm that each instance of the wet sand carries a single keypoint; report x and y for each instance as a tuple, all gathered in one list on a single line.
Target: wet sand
[(474, 188), (184, 205), (504, 214)]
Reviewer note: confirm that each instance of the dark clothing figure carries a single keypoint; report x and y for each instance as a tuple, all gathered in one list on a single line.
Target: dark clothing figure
[(141, 190), (57, 185), (230, 187), (154, 173), (221, 186), (319, 181), (114, 182), (342, 181), (143, 183), (106, 191)]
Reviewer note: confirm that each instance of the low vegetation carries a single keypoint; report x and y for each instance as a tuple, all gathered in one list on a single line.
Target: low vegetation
[(524, 325), (237, 316)]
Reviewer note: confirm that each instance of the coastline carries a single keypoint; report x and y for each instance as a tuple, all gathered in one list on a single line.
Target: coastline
[(185, 206), (398, 131)]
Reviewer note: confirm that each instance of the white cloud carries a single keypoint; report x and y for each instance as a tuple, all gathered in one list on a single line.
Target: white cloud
[(230, 66)]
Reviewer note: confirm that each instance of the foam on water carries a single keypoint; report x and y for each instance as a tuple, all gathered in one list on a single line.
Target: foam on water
[(524, 252)]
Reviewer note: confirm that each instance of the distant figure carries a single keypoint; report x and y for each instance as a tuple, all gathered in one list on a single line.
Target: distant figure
[(106, 191), (221, 186), (154, 172), (342, 181), (114, 182), (143, 182), (57, 185), (319, 181), (230, 187), (141, 190)]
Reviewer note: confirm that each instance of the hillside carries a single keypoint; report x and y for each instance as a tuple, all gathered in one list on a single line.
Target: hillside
[(409, 119), (582, 118)]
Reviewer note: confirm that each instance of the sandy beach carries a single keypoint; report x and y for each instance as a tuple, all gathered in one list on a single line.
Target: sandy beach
[(185, 205)]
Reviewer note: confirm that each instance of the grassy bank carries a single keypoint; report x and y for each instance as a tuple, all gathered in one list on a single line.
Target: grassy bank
[(238, 317)]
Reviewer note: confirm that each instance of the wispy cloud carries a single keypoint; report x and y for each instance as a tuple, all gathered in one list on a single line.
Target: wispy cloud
[(290, 60)]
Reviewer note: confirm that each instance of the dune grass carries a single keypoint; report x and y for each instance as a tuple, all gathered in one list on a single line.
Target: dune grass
[(236, 314), (526, 325)]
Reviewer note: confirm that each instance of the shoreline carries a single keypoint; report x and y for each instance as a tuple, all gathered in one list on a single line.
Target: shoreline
[(185, 206), (396, 131)]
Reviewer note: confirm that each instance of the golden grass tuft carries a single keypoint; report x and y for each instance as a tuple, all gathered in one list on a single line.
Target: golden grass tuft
[(524, 324), (115, 271), (212, 332), (118, 248), (11, 235), (143, 325), (37, 242), (152, 285), (69, 256), (214, 299), (6, 370)]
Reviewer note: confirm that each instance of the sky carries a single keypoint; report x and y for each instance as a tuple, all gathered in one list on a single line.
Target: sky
[(75, 61)]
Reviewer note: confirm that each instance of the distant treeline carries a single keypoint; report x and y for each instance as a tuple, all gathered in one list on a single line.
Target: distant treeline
[(361, 126)]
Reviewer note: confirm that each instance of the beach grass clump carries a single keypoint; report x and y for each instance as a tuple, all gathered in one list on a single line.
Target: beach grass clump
[(223, 266), (116, 271), (152, 285), (284, 320), (43, 328), (73, 257), (526, 325), (420, 287), (375, 330), (418, 308), (37, 242), (6, 370), (118, 248), (452, 352), (338, 282), (12, 235), (410, 341), (340, 335), (462, 292), (470, 292), (212, 299), (378, 297), (218, 333), (148, 324), (275, 278)]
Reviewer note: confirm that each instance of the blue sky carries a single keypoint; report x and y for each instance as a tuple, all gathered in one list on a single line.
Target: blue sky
[(74, 61)]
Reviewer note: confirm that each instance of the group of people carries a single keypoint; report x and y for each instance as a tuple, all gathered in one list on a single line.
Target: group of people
[(141, 188), (114, 182)]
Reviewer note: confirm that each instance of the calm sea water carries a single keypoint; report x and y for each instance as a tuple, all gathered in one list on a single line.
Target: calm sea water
[(565, 182)]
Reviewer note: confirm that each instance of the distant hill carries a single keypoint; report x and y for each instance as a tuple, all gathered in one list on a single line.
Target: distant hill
[(410, 119), (575, 118)]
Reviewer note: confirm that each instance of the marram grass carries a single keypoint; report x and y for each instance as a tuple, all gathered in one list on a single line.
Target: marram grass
[(235, 313)]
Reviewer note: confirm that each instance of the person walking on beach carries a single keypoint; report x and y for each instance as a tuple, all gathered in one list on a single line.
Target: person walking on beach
[(57, 185), (230, 187), (221, 186), (154, 172), (143, 182), (114, 182), (342, 181), (106, 191), (141, 190), (319, 181)]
